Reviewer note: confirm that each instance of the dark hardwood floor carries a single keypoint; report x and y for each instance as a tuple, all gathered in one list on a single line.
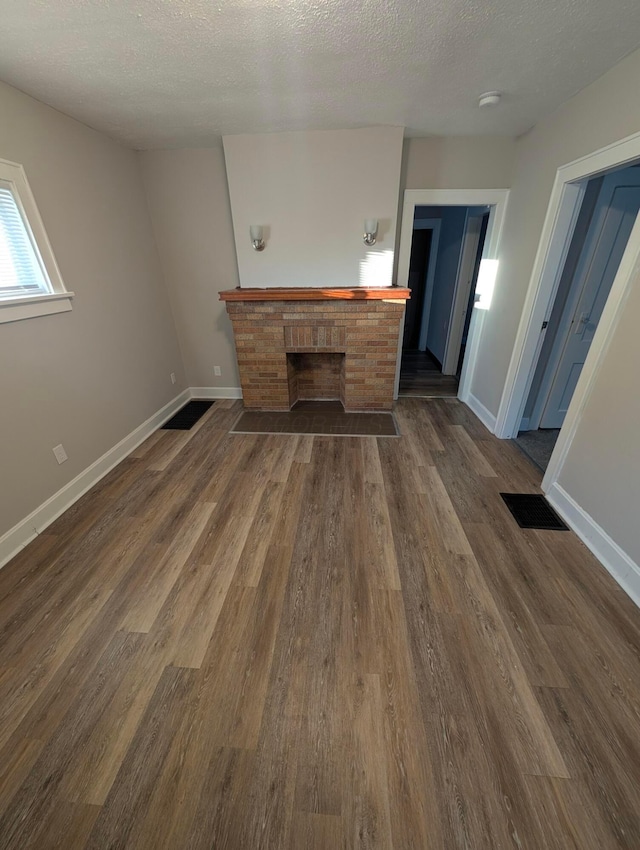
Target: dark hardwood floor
[(421, 376), (249, 641)]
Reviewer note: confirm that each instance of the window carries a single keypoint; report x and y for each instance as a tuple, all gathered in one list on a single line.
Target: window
[(30, 283)]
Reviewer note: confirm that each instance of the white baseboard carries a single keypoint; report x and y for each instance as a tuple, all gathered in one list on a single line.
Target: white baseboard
[(17, 537), (484, 414), (616, 561), (216, 392)]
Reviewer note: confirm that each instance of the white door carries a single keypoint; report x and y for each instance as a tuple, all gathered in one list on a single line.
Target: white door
[(613, 218)]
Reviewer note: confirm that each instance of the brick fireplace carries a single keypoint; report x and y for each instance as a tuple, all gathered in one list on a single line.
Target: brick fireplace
[(302, 344)]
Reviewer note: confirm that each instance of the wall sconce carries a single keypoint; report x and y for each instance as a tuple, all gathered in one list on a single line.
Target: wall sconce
[(257, 241), (370, 231)]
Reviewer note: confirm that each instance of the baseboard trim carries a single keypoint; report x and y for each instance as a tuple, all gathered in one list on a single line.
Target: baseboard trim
[(216, 392), (614, 559), (24, 532), (484, 414)]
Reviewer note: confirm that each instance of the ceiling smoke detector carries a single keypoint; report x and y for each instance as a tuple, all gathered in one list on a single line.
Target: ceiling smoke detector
[(489, 98)]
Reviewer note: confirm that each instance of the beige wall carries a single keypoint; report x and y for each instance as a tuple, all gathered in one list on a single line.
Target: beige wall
[(88, 377), (603, 467), (189, 205), (605, 112), (458, 162), (602, 470), (312, 191)]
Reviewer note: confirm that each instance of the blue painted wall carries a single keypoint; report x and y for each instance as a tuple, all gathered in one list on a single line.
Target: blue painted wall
[(451, 233)]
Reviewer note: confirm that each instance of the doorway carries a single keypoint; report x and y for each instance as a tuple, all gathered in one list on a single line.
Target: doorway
[(603, 225), (447, 245), (496, 201)]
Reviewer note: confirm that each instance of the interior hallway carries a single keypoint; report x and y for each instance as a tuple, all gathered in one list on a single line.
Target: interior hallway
[(330, 642), (421, 377)]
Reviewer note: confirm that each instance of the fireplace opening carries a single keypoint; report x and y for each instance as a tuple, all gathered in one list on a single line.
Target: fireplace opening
[(315, 376)]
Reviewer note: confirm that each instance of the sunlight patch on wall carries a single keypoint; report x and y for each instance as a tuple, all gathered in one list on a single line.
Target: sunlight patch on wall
[(486, 283), (376, 269)]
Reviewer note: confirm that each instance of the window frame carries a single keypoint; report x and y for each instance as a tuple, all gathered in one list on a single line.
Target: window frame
[(39, 304)]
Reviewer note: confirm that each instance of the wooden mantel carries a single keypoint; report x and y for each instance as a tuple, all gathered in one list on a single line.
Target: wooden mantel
[(317, 293)]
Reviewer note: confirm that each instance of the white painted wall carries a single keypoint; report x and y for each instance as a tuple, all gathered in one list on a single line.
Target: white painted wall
[(312, 191), (458, 162), (189, 206), (602, 470), (88, 377)]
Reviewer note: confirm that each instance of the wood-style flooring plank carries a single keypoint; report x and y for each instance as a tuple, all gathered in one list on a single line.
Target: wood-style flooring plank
[(36, 799), (282, 641), (555, 802), (68, 828), (366, 803), (32, 560), (218, 810), (473, 455), (119, 820), (193, 758), (304, 449), (317, 832), (94, 765), (141, 616), (410, 766), (17, 765), (608, 793), (525, 631)]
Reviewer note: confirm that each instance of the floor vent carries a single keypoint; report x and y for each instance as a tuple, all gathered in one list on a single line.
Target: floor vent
[(532, 511), (186, 418)]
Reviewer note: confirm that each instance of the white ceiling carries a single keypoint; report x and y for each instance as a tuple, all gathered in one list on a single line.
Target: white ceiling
[(169, 73)]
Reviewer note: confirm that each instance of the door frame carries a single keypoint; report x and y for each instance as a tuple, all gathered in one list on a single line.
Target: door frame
[(433, 224), (457, 314), (564, 205), (496, 200), (564, 325)]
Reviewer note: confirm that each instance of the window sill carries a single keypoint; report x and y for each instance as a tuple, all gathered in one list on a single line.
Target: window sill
[(36, 305)]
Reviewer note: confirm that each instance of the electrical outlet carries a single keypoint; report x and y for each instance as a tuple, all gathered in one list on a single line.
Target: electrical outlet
[(217, 371), (60, 453), (173, 377)]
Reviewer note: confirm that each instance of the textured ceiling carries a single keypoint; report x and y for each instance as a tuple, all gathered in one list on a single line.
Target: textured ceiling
[(166, 73)]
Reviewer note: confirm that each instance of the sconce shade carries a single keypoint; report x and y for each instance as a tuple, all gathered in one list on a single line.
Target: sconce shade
[(257, 242), (370, 231)]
